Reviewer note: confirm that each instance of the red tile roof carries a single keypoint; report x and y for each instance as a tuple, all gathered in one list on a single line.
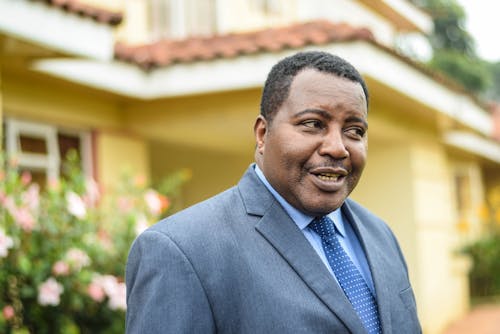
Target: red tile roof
[(166, 52), (96, 13), (299, 35)]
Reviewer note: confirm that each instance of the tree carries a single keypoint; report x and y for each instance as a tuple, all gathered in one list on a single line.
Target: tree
[(493, 92), (454, 48), (449, 27), (472, 73)]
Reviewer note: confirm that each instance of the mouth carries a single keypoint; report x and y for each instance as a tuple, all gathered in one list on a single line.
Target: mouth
[(329, 176), (328, 179)]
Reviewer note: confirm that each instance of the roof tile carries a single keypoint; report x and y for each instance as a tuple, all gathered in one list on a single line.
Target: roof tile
[(166, 52), (77, 7)]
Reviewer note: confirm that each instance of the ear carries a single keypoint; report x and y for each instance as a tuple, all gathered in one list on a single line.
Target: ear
[(260, 130)]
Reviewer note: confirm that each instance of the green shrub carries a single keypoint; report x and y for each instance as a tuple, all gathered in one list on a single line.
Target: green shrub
[(485, 252), (63, 249)]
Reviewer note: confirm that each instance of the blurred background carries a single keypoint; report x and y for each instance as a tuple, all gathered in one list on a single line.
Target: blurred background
[(169, 90)]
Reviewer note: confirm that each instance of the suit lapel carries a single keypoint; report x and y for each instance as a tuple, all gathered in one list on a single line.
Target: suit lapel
[(378, 263), (281, 232)]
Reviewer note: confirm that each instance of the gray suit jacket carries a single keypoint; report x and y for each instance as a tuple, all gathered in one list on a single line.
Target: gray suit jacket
[(237, 263)]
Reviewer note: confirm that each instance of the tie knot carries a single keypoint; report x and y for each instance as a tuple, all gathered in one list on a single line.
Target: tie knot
[(323, 226)]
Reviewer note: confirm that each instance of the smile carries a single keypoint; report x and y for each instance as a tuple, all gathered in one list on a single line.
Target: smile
[(329, 176), (329, 179)]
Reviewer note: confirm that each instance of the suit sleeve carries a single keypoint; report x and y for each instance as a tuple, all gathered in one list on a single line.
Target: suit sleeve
[(164, 293)]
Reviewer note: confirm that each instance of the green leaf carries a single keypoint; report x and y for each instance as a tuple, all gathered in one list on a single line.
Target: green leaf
[(24, 264), (20, 331)]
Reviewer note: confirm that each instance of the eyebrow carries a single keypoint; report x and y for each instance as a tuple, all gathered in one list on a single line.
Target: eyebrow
[(319, 112), (326, 115), (356, 119)]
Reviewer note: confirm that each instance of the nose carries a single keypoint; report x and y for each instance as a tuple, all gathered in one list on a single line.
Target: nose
[(333, 145)]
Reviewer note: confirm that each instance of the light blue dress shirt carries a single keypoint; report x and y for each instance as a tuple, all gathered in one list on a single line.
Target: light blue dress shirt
[(348, 238)]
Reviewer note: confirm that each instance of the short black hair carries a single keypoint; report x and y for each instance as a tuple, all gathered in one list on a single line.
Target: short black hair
[(279, 79)]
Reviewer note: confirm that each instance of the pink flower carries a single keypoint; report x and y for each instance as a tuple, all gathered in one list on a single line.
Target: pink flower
[(107, 282), (125, 204), (77, 258), (53, 184), (24, 219), (25, 178), (9, 203), (105, 239), (49, 292), (6, 242), (31, 197), (60, 268), (141, 224), (118, 300), (96, 292), (22, 216), (92, 194), (8, 312), (75, 205), (116, 291), (153, 202)]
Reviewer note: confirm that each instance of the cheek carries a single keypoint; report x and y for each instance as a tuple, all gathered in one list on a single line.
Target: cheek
[(288, 150), (358, 156)]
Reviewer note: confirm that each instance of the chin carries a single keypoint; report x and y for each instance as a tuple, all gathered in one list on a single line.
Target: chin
[(321, 209)]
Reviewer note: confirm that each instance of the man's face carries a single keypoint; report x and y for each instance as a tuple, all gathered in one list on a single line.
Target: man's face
[(314, 150)]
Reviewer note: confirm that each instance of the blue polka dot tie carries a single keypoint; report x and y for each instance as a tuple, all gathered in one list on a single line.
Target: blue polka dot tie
[(348, 275)]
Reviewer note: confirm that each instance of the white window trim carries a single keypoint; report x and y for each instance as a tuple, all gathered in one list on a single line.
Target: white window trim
[(37, 161), (49, 162)]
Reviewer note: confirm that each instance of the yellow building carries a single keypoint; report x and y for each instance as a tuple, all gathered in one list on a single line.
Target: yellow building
[(105, 81)]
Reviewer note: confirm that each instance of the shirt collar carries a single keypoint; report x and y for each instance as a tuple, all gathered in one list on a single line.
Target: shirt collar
[(300, 219)]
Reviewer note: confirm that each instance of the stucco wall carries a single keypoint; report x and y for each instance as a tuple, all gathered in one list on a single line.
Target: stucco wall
[(31, 97), (221, 122), (119, 152), (211, 171)]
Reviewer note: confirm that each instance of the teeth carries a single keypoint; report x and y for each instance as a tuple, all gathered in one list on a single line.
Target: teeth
[(329, 176)]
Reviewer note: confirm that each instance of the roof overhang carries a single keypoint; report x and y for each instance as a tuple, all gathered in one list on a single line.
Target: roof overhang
[(250, 71), (53, 28), (404, 15), (474, 144)]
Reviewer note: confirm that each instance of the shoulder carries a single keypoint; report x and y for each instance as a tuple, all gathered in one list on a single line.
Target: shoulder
[(194, 233), (368, 222), (202, 215), (376, 227)]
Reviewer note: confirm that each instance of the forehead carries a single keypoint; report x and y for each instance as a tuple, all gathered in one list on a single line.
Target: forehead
[(312, 88), (311, 80)]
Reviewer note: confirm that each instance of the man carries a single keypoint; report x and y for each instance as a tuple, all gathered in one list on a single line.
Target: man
[(284, 251)]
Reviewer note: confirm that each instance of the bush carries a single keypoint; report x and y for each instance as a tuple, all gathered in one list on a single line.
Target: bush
[(485, 252), (63, 249)]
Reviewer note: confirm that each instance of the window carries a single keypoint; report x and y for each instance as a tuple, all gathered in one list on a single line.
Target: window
[(268, 7), (177, 19), (40, 148), (468, 196)]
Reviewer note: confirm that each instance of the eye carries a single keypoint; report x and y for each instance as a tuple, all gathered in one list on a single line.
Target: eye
[(355, 132), (312, 124)]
